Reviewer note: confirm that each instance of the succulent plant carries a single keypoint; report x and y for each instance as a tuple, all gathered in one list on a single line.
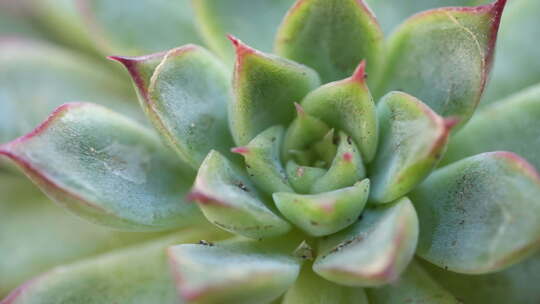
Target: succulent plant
[(276, 170)]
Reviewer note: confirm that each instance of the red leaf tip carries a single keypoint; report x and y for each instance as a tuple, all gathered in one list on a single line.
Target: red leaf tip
[(347, 157), (299, 110), (241, 48), (240, 150), (359, 74), (451, 122)]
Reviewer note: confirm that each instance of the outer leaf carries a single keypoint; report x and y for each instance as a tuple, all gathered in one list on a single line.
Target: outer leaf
[(372, 252), (30, 87), (324, 213), (121, 26), (392, 13), (346, 168), (480, 214), (413, 138), (511, 125), (331, 36), (184, 92), (515, 66), (255, 21), (415, 287), (348, 106), (36, 235), (443, 57), (517, 284), (265, 88), (104, 167), (137, 274), (262, 161), (312, 289), (229, 200), (237, 272)]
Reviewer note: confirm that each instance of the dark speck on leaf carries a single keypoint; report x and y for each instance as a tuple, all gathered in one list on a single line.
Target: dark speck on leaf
[(206, 243)]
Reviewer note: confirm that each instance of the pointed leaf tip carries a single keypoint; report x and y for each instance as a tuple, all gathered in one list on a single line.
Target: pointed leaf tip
[(240, 47), (240, 150), (359, 74)]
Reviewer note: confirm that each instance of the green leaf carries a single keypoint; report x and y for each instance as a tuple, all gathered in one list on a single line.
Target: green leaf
[(185, 93), (138, 274), (263, 165), (324, 213), (30, 87), (480, 214), (510, 125), (346, 168), (36, 235), (517, 284), (413, 138), (105, 167), (372, 252), (348, 106), (331, 36), (265, 88), (414, 287), (391, 13), (515, 66), (303, 177), (255, 21), (121, 26), (443, 57), (235, 272), (311, 289), (229, 200)]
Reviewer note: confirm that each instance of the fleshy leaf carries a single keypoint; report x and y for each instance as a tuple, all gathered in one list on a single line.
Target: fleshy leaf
[(255, 21), (324, 213), (443, 57), (105, 167), (262, 160), (302, 132), (303, 177), (346, 168), (415, 286), (121, 26), (310, 289), (331, 36), (517, 284), (413, 138), (265, 88), (374, 251), (234, 272), (510, 125), (185, 93), (513, 69), (31, 87), (36, 235), (347, 105), (229, 200), (137, 274), (480, 214)]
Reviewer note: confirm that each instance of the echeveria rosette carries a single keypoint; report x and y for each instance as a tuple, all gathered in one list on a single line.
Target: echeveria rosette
[(334, 191)]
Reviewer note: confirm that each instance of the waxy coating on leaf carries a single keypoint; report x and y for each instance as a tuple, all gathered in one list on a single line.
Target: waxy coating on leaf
[(510, 125), (230, 201), (255, 21), (413, 138), (265, 88), (105, 167), (310, 288), (324, 213), (415, 286), (347, 105), (331, 36), (263, 163), (480, 214), (443, 57), (185, 93), (372, 252), (137, 274), (232, 272)]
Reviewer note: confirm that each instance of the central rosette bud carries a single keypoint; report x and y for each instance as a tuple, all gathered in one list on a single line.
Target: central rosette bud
[(313, 172)]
